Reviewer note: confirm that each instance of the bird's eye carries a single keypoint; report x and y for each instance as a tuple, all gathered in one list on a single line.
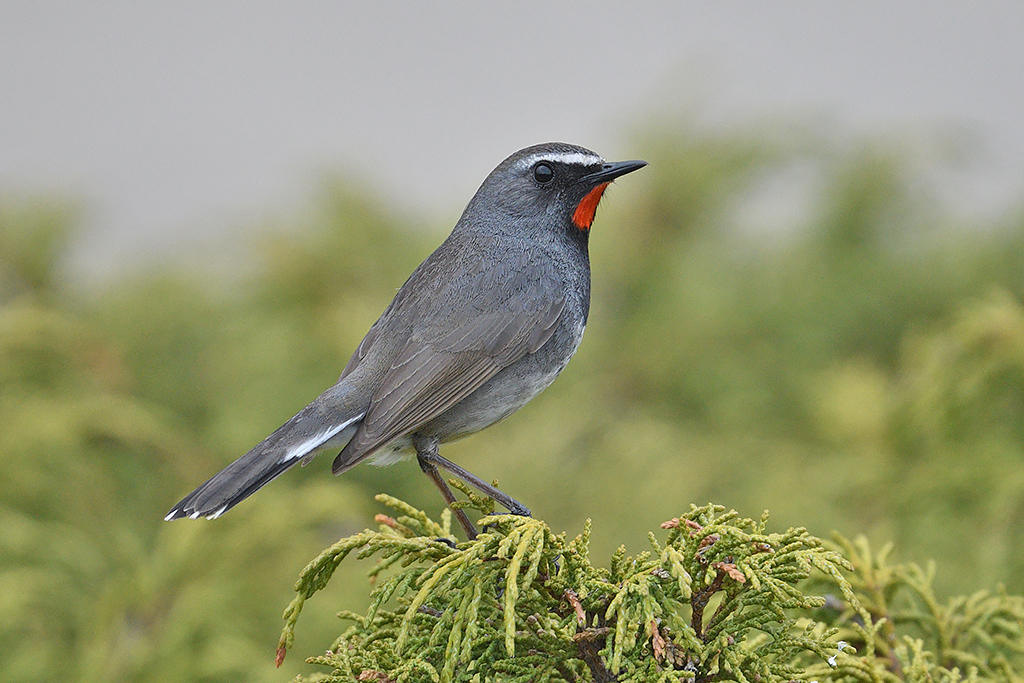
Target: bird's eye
[(543, 173)]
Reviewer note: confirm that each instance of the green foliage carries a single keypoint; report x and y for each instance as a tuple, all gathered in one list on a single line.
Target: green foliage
[(522, 604), (718, 599), (915, 636), (803, 364), (33, 237), (110, 412)]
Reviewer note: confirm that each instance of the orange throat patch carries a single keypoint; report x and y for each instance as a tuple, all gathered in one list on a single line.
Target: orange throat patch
[(583, 217)]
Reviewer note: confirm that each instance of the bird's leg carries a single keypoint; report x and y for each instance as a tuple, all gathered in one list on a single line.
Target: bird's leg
[(425, 448), (507, 501)]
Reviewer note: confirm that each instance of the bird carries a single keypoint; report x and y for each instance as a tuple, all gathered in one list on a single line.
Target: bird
[(479, 328)]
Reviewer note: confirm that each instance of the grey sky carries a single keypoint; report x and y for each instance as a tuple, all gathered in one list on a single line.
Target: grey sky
[(173, 118)]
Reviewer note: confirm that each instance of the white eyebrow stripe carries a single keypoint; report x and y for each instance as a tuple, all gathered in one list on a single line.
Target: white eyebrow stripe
[(577, 158)]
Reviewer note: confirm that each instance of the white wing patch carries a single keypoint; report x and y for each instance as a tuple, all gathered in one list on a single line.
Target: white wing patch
[(321, 439)]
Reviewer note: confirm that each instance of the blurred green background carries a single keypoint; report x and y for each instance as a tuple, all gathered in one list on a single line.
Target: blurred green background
[(860, 370)]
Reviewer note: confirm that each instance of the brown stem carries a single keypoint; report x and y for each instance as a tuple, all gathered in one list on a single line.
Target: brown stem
[(700, 600), (574, 600), (589, 641), (589, 648)]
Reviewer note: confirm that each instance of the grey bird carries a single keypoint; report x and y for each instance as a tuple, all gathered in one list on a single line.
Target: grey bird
[(482, 326)]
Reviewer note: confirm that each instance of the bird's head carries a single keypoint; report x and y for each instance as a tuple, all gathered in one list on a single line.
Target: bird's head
[(553, 180)]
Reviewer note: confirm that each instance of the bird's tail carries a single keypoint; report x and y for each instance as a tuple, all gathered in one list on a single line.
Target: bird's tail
[(327, 422)]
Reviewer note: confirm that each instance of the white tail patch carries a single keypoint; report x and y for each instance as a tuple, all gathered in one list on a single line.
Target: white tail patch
[(321, 439)]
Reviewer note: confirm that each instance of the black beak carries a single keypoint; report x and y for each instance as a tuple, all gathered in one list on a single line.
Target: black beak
[(612, 170)]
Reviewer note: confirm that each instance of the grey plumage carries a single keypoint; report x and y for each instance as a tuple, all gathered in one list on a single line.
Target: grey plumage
[(484, 324)]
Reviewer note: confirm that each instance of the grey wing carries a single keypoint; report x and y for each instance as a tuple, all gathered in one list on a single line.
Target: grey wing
[(436, 370)]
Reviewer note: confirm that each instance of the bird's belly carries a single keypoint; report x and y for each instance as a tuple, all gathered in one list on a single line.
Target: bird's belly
[(492, 402), (496, 399), (507, 391)]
